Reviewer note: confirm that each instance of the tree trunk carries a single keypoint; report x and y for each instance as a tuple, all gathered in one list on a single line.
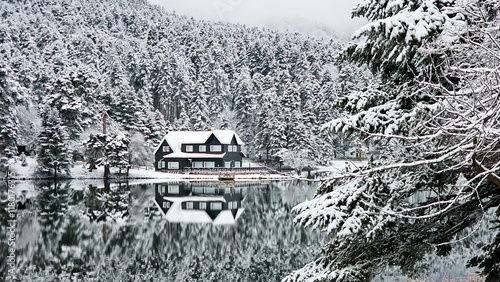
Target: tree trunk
[(106, 171)]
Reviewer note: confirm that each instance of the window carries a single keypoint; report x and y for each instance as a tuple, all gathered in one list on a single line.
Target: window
[(173, 165), (232, 148), (198, 190), (161, 164), (232, 205), (237, 164), (173, 189), (210, 190), (216, 206), (163, 189), (203, 205), (215, 148), (166, 149), (227, 164), (197, 164), (166, 205), (202, 148), (189, 205), (189, 148), (209, 164)]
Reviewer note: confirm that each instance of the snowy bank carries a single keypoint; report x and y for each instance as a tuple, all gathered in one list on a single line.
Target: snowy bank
[(80, 172)]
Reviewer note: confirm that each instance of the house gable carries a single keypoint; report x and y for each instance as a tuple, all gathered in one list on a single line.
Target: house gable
[(217, 148)]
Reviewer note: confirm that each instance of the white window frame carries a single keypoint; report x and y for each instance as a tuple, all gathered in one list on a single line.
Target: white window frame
[(189, 148), (227, 164), (235, 148), (166, 149), (166, 205), (197, 164), (237, 164), (215, 148), (216, 206), (173, 165), (203, 205), (209, 164), (189, 205), (202, 148), (230, 205), (162, 189)]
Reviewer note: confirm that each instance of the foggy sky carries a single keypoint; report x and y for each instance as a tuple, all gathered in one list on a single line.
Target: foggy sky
[(336, 14)]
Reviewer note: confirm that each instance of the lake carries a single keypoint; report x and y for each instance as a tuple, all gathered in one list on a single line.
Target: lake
[(121, 232), (171, 231)]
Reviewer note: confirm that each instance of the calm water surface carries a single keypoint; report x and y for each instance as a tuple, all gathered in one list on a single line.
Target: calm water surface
[(176, 231), (165, 231)]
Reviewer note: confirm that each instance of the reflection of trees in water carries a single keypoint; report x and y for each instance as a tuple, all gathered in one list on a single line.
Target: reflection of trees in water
[(262, 245), (108, 203)]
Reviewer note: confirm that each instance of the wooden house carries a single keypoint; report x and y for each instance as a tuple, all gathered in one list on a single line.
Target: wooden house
[(199, 149)]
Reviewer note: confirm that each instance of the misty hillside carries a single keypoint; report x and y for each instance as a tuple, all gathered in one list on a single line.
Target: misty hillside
[(151, 71)]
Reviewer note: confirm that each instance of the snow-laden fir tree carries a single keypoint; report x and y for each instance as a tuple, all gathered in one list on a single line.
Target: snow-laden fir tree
[(53, 154), (437, 112), (8, 120), (116, 149), (136, 59)]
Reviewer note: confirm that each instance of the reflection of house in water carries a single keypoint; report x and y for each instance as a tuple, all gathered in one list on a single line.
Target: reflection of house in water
[(200, 202)]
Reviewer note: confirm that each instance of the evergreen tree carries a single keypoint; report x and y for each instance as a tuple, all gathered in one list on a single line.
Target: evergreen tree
[(94, 149), (116, 149), (54, 154), (8, 120), (425, 112)]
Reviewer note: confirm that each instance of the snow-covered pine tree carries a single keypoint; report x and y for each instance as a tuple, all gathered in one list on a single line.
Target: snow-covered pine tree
[(53, 154), (440, 143), (8, 120), (100, 54), (116, 149), (390, 43), (94, 149), (270, 134)]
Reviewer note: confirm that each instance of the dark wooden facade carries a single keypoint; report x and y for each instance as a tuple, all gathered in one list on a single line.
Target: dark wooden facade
[(210, 154)]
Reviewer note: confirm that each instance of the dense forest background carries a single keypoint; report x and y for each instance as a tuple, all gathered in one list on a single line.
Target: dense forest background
[(149, 71)]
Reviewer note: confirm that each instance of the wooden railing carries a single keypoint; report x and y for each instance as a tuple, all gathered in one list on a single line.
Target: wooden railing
[(226, 170)]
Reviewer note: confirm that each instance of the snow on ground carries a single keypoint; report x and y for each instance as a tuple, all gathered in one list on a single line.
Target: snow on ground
[(81, 178), (80, 173), (341, 165)]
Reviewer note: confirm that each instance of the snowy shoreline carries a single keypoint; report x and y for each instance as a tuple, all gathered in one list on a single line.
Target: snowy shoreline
[(80, 172)]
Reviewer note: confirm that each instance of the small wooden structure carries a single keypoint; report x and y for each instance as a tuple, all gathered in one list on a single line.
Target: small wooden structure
[(226, 175)]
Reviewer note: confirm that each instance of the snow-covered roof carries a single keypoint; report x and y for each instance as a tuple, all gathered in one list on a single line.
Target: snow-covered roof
[(176, 138), (182, 155), (177, 214)]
